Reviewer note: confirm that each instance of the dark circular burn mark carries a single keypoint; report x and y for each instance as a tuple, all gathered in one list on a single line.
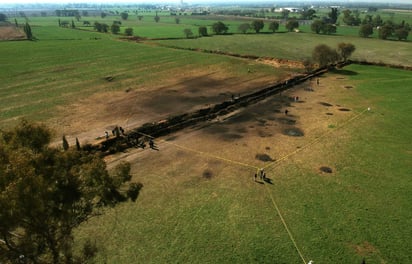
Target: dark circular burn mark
[(344, 109), (207, 174), (325, 104), (348, 86), (326, 169), (329, 113), (267, 148), (293, 132), (264, 157)]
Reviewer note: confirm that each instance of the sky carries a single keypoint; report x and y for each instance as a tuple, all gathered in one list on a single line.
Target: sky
[(192, 1)]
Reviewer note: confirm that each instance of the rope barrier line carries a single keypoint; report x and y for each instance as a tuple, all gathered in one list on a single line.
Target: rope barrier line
[(284, 223), (211, 156), (313, 141)]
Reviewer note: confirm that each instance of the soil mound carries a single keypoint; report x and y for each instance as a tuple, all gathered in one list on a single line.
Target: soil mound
[(293, 132)]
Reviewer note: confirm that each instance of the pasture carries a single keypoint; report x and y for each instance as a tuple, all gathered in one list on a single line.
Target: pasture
[(200, 203)]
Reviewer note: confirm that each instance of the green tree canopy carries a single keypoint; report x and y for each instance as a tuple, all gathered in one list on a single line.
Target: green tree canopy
[(115, 28), (324, 55), (292, 24), (46, 192), (203, 31), (128, 31), (365, 30), (219, 28), (188, 32), (274, 26), (257, 25), (244, 27), (124, 15), (345, 50)]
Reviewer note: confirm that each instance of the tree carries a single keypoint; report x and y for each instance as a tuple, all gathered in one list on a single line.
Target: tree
[(124, 15), (115, 28), (324, 55), (203, 31), (73, 25), (45, 193), (274, 26), (401, 33), (307, 14), (333, 15), (103, 14), (188, 32), (244, 27), (27, 31), (140, 18), (377, 21), (285, 13), (365, 30), (345, 50), (351, 18), (292, 24), (156, 18), (3, 17), (219, 28), (257, 25), (177, 20), (385, 31), (316, 26), (128, 31)]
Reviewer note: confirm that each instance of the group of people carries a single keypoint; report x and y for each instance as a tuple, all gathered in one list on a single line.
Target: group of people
[(262, 175)]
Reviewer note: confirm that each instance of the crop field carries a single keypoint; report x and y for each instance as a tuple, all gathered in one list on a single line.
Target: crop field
[(337, 163)]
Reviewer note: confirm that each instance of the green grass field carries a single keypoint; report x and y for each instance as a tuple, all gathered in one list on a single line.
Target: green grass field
[(362, 210), (66, 65)]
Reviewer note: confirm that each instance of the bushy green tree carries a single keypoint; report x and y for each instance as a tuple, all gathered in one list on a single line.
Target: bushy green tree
[(115, 28), (345, 50), (257, 25), (219, 28), (188, 32), (203, 31), (274, 26), (124, 15), (292, 24), (244, 27), (45, 193), (128, 31), (324, 55), (365, 30)]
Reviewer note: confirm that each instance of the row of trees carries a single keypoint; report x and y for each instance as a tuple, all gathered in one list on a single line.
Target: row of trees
[(114, 28), (256, 25), (46, 192), (386, 30)]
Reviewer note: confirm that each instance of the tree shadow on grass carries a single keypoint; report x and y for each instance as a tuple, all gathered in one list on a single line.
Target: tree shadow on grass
[(344, 72)]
